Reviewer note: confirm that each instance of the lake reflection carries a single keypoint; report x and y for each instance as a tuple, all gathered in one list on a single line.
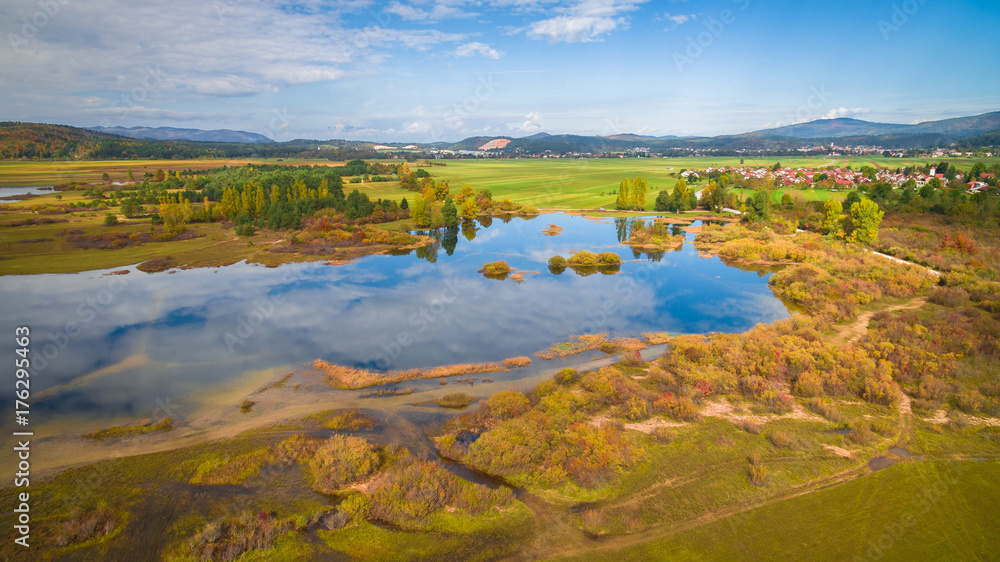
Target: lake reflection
[(117, 344)]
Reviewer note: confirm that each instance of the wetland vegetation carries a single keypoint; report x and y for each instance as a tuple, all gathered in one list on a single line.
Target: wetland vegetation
[(666, 406)]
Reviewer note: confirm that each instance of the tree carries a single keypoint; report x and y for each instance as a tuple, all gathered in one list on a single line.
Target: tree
[(759, 205), (404, 204), (160, 175), (866, 216), (449, 212), (623, 200), (662, 202), (130, 176), (786, 201), (833, 214), (469, 209), (852, 198), (106, 177), (466, 193), (714, 196), (420, 212), (403, 170), (358, 205), (110, 219), (638, 193), (679, 200), (131, 208)]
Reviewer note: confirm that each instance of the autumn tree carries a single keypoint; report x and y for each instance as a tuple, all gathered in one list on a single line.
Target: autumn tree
[(638, 193), (420, 212), (833, 214), (623, 200), (469, 209), (866, 217)]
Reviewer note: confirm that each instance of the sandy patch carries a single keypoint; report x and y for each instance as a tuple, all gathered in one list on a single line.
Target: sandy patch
[(650, 425), (839, 451), (723, 409), (940, 418)]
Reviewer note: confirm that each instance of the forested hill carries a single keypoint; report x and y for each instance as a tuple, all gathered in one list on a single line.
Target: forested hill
[(41, 140)]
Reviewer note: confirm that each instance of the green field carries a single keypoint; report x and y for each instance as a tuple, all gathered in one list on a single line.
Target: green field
[(909, 511), (55, 172)]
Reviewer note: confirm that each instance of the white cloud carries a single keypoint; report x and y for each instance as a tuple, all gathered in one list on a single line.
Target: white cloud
[(477, 48), (439, 11), (197, 49), (845, 112), (584, 21), (532, 123), (676, 19)]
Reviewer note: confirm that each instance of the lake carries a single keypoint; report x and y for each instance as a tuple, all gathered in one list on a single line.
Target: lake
[(113, 346)]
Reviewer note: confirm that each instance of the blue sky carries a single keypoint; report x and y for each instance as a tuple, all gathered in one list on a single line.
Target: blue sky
[(429, 70)]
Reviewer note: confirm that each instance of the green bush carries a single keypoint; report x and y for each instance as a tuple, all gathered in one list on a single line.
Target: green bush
[(340, 461), (455, 400), (507, 404), (496, 269)]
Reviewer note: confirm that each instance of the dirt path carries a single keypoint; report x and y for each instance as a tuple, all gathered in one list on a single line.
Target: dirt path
[(851, 333)]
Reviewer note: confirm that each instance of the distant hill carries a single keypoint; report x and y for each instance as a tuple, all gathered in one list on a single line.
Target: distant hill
[(172, 133), (959, 127), (42, 140)]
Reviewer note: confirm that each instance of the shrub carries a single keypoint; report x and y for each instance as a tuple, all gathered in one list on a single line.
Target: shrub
[(110, 219), (583, 259), (749, 427), (664, 435), (246, 405), (757, 474), (780, 439), (828, 411), (677, 407), (507, 404), (861, 432), (230, 537), (340, 461), (496, 269), (455, 400), (83, 527), (411, 490), (557, 262), (609, 258), (567, 376)]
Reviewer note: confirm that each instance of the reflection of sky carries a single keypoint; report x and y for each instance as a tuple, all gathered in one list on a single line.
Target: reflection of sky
[(395, 311)]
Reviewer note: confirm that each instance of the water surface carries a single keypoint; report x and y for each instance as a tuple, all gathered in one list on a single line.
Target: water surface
[(119, 345)]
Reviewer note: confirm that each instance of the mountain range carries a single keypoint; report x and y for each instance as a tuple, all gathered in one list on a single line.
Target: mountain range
[(41, 140), (172, 133)]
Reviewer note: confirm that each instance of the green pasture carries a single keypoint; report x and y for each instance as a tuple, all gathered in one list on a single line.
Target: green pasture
[(926, 510)]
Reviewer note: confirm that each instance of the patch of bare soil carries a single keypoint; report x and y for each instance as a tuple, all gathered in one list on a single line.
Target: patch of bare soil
[(839, 451), (723, 409), (650, 425)]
